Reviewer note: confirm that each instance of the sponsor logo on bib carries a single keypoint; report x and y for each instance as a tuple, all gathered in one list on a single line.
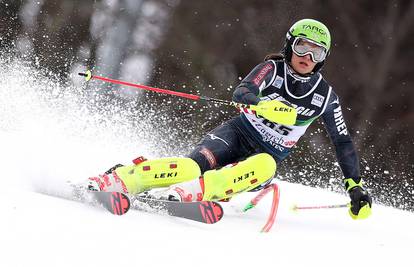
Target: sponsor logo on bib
[(278, 82), (317, 100)]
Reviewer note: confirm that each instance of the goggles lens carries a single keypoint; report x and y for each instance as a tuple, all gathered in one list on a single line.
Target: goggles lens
[(303, 47)]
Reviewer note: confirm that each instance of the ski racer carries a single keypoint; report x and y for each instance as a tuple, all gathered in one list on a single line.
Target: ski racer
[(242, 154)]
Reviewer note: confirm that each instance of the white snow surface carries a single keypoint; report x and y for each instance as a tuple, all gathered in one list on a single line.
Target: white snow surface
[(46, 142)]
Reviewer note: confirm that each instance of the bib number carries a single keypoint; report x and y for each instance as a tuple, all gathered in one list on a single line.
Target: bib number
[(280, 129)]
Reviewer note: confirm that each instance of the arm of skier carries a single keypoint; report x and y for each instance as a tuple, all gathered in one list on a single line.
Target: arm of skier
[(247, 92), (347, 158), (251, 88)]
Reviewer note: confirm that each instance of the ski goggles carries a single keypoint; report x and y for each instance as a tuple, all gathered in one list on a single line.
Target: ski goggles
[(303, 47)]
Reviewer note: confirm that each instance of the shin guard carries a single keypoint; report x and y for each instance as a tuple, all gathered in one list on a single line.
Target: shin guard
[(240, 177)]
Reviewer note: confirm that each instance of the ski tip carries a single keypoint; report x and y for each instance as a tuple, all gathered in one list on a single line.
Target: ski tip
[(115, 202), (218, 210), (120, 203), (211, 211)]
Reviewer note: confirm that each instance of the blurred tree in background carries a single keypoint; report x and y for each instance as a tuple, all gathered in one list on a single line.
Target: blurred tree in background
[(206, 47)]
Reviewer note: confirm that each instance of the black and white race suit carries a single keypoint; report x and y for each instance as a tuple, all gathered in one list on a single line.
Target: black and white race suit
[(247, 134)]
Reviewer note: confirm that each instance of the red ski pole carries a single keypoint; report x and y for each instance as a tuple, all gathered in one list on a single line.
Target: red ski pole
[(88, 76), (295, 207)]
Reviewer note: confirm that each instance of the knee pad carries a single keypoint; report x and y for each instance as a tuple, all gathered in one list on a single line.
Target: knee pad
[(240, 177), (157, 173)]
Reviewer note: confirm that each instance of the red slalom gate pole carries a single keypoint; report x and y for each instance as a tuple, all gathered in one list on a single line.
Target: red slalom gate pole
[(88, 76), (275, 204)]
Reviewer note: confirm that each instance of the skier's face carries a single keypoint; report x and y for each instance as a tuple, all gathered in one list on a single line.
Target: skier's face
[(302, 65)]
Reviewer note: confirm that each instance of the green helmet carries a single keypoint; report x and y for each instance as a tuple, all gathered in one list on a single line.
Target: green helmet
[(312, 30)]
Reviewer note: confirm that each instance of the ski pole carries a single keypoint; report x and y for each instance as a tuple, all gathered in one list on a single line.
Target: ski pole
[(296, 207), (88, 76)]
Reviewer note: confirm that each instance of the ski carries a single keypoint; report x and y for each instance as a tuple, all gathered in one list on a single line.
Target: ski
[(115, 202), (208, 212), (118, 203)]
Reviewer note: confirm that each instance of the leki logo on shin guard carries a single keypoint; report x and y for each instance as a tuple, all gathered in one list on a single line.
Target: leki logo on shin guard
[(243, 177), (165, 175)]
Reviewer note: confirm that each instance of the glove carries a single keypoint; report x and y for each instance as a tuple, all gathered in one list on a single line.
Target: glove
[(361, 202), (276, 111)]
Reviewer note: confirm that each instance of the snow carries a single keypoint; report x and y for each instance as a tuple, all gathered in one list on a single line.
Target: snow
[(39, 230), (45, 141)]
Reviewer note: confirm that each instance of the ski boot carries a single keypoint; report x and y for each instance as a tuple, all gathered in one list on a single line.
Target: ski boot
[(109, 182), (145, 175)]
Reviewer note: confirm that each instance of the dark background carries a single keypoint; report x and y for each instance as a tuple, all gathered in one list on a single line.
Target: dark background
[(206, 47)]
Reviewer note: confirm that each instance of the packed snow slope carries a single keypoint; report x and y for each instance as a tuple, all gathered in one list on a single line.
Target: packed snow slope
[(49, 136)]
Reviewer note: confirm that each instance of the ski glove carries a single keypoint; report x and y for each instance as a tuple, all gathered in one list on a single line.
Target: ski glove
[(276, 111), (361, 202)]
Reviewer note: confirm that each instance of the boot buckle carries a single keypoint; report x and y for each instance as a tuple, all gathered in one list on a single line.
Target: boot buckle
[(139, 160)]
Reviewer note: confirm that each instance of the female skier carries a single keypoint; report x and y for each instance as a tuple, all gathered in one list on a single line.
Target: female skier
[(288, 93)]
